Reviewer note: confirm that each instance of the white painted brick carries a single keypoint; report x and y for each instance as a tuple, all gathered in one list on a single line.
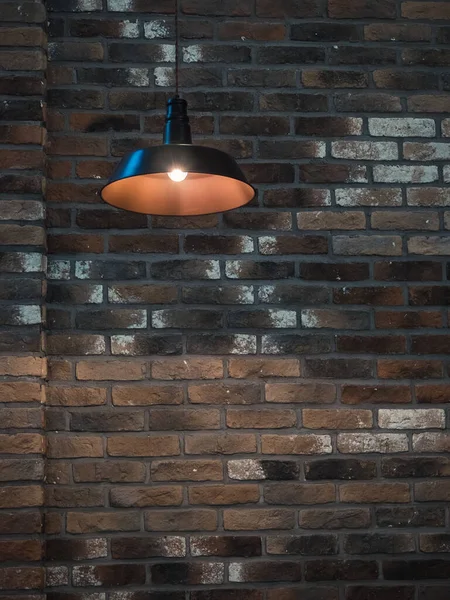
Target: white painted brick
[(193, 54), (405, 173), (88, 5), (283, 318), (138, 77), (164, 76), (58, 269), (402, 127), (243, 344), (382, 443), (245, 469), (129, 29), (355, 150), (157, 29), (419, 418), (120, 5)]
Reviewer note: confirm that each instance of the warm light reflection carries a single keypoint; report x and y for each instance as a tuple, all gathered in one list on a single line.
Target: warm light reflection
[(177, 175)]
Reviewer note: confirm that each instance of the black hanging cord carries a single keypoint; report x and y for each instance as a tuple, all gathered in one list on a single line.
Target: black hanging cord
[(177, 49)]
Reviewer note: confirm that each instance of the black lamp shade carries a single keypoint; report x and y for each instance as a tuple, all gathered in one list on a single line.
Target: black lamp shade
[(214, 182)]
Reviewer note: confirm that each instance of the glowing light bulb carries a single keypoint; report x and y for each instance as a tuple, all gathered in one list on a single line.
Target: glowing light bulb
[(177, 175)]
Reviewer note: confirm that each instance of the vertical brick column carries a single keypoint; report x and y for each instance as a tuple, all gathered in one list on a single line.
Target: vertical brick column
[(22, 267)]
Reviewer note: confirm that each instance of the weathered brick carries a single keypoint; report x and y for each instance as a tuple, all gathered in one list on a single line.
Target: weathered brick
[(305, 392), (336, 418), (346, 518), (375, 394), (401, 127), (427, 418), (131, 497), (256, 519), (181, 520), (356, 443), (223, 494), (220, 443), (324, 570), (296, 444), (375, 492)]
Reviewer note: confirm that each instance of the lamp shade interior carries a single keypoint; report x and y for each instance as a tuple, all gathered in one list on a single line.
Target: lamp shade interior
[(214, 181)]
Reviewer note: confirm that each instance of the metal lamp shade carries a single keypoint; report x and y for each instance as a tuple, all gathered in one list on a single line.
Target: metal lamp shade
[(214, 182)]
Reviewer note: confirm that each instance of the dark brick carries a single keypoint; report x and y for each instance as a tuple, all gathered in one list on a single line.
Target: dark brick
[(334, 271), (388, 344), (347, 518), (305, 545), (187, 573), (290, 55), (185, 269), (399, 80), (67, 98), (416, 466), (296, 197), (182, 319), (289, 102), (324, 32), (347, 570), (429, 296), (408, 271), (266, 571), (416, 569), (240, 269), (254, 126), (143, 243), (328, 126), (142, 345), (148, 547), (108, 575), (379, 593), (341, 368), (221, 344), (292, 294), (436, 57), (375, 394), (21, 86), (296, 344), (107, 420), (434, 592), (332, 173), (226, 545), (378, 543), (334, 79), (361, 9), (360, 55), (409, 516), (340, 468), (288, 8), (227, 594), (359, 103), (21, 110), (230, 294), (217, 244)]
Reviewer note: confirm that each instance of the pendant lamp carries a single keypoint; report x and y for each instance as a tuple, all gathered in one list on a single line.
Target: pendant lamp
[(177, 178)]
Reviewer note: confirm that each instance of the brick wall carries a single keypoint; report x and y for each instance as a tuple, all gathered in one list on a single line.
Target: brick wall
[(247, 406), (22, 268)]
